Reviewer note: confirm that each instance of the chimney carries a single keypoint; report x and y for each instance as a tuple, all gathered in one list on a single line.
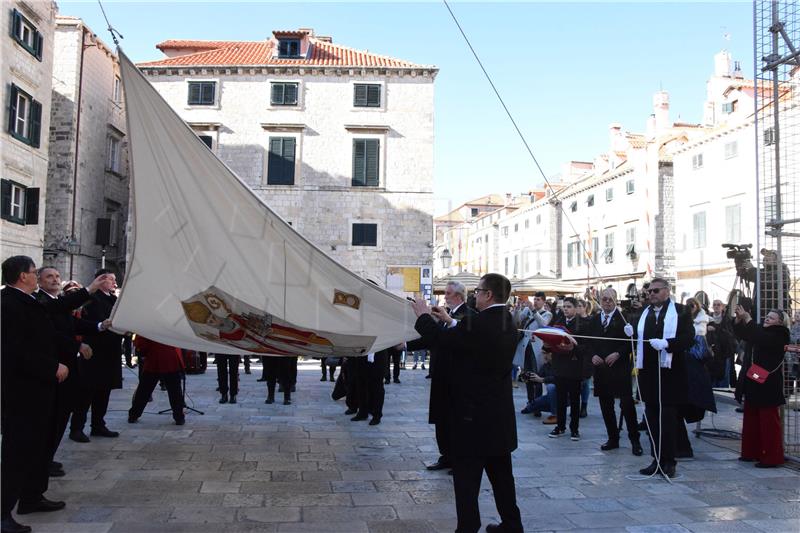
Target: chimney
[(310, 31), (737, 70), (722, 64), (508, 198), (661, 111), (615, 137), (325, 38)]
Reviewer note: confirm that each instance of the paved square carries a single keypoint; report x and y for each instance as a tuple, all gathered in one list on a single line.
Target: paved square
[(308, 468)]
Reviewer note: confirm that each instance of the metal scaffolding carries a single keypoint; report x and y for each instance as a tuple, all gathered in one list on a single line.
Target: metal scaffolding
[(777, 95)]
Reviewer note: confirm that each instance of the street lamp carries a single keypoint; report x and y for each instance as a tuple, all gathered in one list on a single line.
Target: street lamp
[(447, 258)]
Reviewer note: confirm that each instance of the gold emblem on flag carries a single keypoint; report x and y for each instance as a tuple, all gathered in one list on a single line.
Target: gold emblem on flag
[(344, 298)]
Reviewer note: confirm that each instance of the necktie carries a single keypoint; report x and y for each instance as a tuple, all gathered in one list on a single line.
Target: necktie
[(606, 318)]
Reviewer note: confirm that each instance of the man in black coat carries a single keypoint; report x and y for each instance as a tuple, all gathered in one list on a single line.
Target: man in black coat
[(455, 295), (59, 308), (612, 361), (30, 373), (480, 403), (663, 385), (103, 372)]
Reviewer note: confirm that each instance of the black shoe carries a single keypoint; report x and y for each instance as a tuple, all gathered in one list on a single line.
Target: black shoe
[(739, 409), (332, 378), (746, 460), (650, 470), (78, 436), (56, 471), (56, 464), (574, 435), (247, 371), (386, 381), (224, 399), (428, 376), (499, 528), (163, 387), (351, 411), (324, 378), (375, 421), (269, 400), (527, 410), (287, 402), (636, 449), (396, 380), (584, 414), (441, 464), (180, 421), (358, 418), (536, 414), (42, 506), (261, 379), (669, 471), (764, 465), (12, 526), (414, 367), (556, 433), (233, 398), (132, 419), (104, 432), (609, 445)]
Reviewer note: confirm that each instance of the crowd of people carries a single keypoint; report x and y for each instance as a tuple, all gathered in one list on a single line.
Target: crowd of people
[(60, 360)]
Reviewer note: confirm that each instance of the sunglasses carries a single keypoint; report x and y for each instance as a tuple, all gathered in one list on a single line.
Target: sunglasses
[(651, 291)]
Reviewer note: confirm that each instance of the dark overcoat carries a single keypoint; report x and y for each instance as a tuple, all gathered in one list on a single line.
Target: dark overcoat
[(614, 381), (768, 353), (577, 364), (104, 369), (480, 402)]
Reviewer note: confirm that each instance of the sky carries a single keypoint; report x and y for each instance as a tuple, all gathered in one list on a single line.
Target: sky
[(566, 70)]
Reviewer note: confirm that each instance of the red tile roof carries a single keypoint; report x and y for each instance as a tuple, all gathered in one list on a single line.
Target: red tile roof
[(261, 53)]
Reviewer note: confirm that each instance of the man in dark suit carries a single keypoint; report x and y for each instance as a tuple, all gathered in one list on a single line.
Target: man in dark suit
[(59, 308), (455, 296), (103, 372), (480, 404), (612, 363), (30, 373), (662, 372)]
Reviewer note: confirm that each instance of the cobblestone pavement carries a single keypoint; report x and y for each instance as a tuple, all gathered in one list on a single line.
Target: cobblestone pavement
[(308, 468)]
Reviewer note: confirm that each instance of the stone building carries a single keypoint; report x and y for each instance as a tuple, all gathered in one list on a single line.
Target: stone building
[(88, 185), (337, 141), (27, 62)]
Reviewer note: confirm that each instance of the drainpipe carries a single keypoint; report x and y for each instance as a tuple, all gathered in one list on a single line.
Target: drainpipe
[(77, 145)]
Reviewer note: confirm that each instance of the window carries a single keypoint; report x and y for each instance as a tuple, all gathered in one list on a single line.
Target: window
[(516, 228), (516, 265), (506, 265), (365, 162), (733, 223), (20, 204), (504, 231), (570, 254), (202, 92), (595, 249), (289, 48), (280, 165), (116, 93), (474, 212), (527, 223), (590, 200), (573, 206), (769, 137), (609, 194), (578, 253), (608, 251), (366, 95), (630, 241), (538, 219), (283, 94), (729, 107), (112, 154), (365, 235), (731, 149), (630, 187), (699, 230), (697, 161), (25, 117), (208, 140), (25, 33)]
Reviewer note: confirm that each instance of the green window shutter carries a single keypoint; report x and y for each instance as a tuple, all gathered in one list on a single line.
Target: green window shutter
[(32, 206), (373, 95), (5, 206), (36, 123), (280, 164), (359, 163), (277, 93), (290, 94), (208, 93), (16, 21), (372, 146), (194, 93), (38, 45), (12, 109), (360, 95)]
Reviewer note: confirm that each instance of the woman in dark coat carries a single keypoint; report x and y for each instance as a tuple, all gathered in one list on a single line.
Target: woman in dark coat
[(762, 434)]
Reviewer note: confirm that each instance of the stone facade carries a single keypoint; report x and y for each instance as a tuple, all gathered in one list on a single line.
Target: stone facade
[(321, 203), (27, 62), (87, 176)]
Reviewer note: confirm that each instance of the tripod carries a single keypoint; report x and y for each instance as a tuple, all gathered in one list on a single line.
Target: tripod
[(183, 399)]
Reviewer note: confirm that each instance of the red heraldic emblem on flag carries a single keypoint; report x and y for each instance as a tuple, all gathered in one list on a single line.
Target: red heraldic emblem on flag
[(556, 339)]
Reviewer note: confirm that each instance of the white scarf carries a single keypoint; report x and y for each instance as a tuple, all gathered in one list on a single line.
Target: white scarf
[(670, 330)]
